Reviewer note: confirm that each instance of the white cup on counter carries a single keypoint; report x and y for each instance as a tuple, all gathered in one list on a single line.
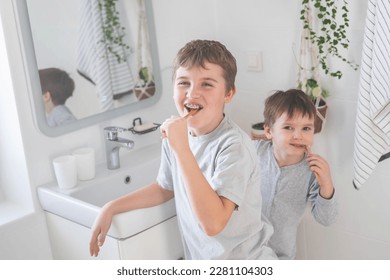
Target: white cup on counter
[(85, 162), (65, 171)]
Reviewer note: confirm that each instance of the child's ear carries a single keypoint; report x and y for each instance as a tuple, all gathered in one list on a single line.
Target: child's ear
[(267, 132), (47, 96), (229, 95)]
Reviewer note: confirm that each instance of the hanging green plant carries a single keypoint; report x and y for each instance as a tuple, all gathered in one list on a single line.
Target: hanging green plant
[(309, 78), (113, 32), (332, 31), (146, 78), (313, 89)]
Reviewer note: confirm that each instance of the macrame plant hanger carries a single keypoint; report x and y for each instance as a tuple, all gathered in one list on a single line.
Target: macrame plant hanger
[(308, 69), (145, 88)]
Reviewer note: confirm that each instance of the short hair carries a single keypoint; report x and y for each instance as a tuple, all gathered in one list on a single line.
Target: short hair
[(292, 102), (58, 83), (198, 52)]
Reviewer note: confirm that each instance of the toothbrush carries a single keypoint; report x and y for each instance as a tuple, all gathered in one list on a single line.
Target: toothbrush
[(309, 152), (189, 114)]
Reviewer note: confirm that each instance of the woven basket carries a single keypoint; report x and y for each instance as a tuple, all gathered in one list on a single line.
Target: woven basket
[(319, 121), (144, 92)]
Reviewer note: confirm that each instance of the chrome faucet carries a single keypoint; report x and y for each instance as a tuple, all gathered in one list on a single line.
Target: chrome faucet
[(113, 144)]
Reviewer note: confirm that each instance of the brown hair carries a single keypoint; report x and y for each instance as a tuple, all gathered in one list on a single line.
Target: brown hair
[(58, 83), (292, 102), (198, 52)]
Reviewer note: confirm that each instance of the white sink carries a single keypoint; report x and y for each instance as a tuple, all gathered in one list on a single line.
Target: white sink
[(82, 203)]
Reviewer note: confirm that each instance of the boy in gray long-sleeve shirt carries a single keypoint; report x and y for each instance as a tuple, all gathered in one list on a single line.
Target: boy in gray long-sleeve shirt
[(291, 176)]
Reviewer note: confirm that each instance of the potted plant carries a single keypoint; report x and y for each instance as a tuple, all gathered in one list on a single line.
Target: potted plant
[(317, 94), (318, 43), (257, 131), (145, 87)]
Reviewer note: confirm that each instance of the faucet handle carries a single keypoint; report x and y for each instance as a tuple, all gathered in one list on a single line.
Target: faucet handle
[(112, 132)]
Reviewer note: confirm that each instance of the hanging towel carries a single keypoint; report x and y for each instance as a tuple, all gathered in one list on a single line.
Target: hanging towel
[(372, 133), (112, 79)]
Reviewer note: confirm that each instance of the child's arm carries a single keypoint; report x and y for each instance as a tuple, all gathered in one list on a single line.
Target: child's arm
[(320, 167), (148, 196), (212, 210)]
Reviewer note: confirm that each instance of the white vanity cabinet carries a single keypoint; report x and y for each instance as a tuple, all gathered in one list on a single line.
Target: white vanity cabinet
[(70, 241), (146, 233)]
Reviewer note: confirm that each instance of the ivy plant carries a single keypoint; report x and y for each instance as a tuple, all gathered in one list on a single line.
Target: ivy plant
[(113, 32), (313, 89), (146, 78), (331, 34)]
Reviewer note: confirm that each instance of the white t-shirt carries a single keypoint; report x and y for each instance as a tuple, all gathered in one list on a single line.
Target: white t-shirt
[(228, 161)]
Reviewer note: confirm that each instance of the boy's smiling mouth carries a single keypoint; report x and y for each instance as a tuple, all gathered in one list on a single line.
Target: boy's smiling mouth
[(191, 107), (298, 146)]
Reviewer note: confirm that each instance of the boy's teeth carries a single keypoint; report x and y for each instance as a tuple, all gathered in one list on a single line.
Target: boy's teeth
[(193, 107)]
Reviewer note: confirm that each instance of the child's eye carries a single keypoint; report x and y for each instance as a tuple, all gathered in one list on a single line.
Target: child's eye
[(183, 83), (307, 128), (207, 84), (287, 127)]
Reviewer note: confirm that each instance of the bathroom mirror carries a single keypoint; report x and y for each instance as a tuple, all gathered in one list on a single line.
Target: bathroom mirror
[(110, 78)]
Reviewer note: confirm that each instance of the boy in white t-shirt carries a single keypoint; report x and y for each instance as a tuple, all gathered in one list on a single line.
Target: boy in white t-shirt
[(208, 165)]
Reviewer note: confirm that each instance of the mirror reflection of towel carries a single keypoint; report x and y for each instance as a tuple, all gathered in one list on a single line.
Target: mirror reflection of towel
[(372, 134), (112, 79)]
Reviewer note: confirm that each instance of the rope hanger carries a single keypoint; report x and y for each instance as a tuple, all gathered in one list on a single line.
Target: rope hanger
[(308, 63)]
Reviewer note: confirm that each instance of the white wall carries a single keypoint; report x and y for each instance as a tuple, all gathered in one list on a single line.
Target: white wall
[(39, 149), (23, 234), (362, 230)]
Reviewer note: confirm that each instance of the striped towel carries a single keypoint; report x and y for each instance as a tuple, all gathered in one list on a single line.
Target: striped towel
[(95, 64), (372, 134)]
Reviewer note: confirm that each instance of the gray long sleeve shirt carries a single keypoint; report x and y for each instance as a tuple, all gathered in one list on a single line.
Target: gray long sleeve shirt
[(286, 191), (60, 115)]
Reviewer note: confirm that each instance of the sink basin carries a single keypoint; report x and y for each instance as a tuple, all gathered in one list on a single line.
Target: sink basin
[(82, 203)]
